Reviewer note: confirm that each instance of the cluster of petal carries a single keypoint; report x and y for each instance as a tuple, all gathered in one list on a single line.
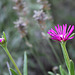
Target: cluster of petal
[(61, 33), (1, 39)]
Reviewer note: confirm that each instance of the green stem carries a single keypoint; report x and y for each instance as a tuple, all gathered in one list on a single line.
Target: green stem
[(66, 56), (9, 55), (40, 64)]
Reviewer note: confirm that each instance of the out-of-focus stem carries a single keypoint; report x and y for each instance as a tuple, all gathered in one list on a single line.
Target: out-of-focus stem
[(54, 51), (9, 68), (37, 59), (40, 64)]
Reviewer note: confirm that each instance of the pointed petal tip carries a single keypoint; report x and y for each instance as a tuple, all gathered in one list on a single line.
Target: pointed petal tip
[(48, 32), (71, 37), (65, 24), (73, 26)]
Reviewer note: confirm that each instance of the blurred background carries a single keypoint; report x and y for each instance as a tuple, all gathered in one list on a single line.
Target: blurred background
[(26, 23)]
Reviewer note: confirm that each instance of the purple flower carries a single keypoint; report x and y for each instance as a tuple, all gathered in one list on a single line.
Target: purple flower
[(61, 33), (1, 39)]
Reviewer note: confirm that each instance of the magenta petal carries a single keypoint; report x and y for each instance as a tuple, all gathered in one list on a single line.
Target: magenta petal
[(70, 31), (60, 29), (56, 29), (56, 38), (71, 37), (64, 29), (68, 28), (53, 38), (52, 31), (48, 32)]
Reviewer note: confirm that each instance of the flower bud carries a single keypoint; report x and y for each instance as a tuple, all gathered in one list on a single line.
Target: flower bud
[(2, 40)]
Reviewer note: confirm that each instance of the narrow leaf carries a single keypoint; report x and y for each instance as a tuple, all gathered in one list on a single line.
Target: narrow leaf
[(62, 71), (71, 67), (13, 72), (25, 64), (4, 36), (51, 73)]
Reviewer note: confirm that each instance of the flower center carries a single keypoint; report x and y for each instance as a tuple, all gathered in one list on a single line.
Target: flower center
[(61, 36)]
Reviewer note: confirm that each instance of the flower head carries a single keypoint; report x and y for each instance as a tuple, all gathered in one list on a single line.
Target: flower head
[(61, 33)]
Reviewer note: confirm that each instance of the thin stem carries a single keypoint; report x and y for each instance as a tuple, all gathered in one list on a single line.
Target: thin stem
[(66, 56), (54, 51), (48, 57), (40, 64), (9, 55)]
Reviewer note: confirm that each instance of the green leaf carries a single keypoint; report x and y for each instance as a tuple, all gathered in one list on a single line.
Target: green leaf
[(13, 72), (4, 36), (72, 35), (25, 64), (71, 67), (62, 71), (51, 73)]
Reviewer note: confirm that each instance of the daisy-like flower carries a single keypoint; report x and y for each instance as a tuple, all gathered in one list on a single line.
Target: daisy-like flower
[(1, 39), (61, 33)]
